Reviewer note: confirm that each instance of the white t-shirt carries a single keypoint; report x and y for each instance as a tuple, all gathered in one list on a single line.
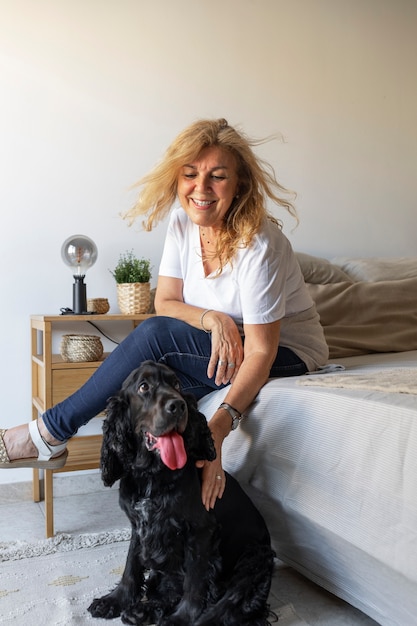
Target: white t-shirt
[(264, 285)]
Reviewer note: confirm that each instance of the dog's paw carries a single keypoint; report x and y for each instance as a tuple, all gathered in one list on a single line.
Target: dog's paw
[(171, 620), (180, 618), (140, 613), (130, 618), (105, 607)]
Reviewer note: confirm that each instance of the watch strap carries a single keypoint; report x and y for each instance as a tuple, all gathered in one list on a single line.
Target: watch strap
[(234, 414)]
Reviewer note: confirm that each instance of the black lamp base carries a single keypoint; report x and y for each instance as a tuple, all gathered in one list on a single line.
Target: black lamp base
[(79, 298)]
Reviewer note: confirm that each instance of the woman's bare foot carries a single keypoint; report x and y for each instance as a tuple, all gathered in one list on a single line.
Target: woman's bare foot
[(19, 444)]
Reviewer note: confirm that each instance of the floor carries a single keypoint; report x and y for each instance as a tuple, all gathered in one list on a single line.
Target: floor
[(22, 519)]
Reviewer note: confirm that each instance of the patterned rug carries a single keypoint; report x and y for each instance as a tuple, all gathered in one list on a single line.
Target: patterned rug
[(52, 582)]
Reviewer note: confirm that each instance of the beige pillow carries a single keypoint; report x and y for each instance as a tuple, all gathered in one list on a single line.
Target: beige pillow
[(319, 271), (374, 269), (360, 318)]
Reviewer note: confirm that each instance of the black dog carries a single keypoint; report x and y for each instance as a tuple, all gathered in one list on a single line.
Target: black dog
[(185, 566)]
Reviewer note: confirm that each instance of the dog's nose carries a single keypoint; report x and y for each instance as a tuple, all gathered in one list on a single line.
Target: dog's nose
[(175, 407)]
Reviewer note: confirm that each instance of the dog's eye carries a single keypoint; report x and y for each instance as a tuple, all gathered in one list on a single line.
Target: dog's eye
[(143, 387)]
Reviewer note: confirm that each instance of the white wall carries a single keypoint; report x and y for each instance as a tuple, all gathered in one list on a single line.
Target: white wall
[(92, 91)]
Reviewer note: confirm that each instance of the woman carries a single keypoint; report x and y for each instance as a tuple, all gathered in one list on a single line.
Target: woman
[(232, 307)]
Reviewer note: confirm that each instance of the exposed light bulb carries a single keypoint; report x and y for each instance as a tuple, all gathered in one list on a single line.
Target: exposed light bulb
[(79, 253)]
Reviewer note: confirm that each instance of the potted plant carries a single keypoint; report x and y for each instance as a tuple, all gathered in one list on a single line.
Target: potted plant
[(132, 276)]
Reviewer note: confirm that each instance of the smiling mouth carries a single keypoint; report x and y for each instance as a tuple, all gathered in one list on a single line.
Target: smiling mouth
[(202, 204)]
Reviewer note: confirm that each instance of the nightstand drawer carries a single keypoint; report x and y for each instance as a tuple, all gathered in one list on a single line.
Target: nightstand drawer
[(66, 381)]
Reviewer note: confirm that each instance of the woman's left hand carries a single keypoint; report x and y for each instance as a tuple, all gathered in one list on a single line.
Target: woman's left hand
[(213, 476), (213, 480)]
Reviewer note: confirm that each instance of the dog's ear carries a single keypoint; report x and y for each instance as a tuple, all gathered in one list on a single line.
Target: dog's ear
[(117, 435), (199, 442)]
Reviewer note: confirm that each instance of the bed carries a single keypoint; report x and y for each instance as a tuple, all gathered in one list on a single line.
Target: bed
[(330, 458)]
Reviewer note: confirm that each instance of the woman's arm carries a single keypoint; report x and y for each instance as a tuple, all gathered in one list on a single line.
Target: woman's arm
[(261, 346), (169, 301)]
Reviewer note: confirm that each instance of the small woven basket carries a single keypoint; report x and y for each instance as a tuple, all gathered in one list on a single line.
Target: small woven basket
[(98, 305), (134, 298), (75, 348)]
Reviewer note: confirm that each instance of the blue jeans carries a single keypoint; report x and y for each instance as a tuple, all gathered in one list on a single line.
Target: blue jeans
[(162, 339)]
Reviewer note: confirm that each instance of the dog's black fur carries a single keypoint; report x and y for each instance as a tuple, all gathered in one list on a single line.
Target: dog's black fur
[(185, 566)]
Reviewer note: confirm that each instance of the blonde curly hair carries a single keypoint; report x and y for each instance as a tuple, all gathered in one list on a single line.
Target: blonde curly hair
[(256, 183)]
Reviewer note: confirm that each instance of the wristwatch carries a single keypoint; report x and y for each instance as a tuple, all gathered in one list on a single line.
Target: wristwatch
[(234, 414)]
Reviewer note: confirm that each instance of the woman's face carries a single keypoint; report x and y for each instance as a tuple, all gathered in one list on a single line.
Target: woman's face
[(207, 186)]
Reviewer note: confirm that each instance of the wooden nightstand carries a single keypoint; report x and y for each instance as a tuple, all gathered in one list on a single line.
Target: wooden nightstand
[(52, 381)]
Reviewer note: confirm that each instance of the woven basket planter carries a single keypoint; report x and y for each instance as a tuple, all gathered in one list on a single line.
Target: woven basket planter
[(98, 305), (134, 298), (76, 348)]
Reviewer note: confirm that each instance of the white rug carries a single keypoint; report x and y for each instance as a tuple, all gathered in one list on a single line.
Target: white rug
[(52, 582), (401, 380)]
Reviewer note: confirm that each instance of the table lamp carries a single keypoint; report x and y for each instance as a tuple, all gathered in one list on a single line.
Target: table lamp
[(79, 253)]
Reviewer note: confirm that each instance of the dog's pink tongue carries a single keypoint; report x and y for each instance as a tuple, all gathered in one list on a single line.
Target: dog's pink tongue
[(172, 450)]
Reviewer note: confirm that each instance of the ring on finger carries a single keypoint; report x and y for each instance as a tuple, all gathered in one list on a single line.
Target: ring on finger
[(230, 365), (221, 362), (219, 477)]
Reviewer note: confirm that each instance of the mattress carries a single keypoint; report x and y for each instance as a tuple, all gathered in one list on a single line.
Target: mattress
[(334, 472)]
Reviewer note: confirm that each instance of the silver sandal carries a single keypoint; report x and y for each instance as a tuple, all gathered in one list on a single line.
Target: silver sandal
[(45, 452)]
